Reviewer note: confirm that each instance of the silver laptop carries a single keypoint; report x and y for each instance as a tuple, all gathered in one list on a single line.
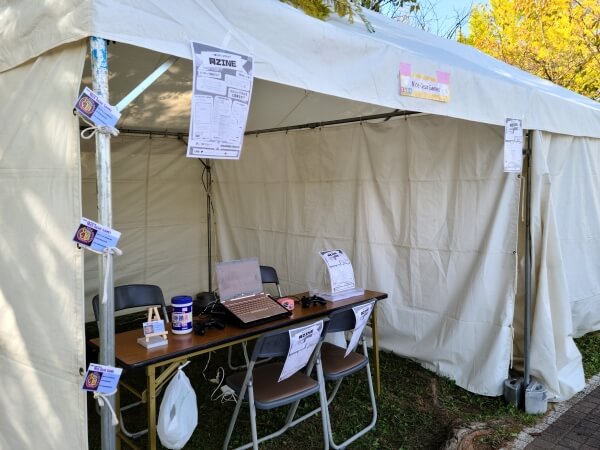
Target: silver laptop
[(242, 296)]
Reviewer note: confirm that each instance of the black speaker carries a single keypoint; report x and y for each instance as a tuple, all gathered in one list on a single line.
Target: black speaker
[(204, 301)]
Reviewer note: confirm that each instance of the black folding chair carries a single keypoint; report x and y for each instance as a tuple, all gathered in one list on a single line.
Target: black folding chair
[(132, 296)]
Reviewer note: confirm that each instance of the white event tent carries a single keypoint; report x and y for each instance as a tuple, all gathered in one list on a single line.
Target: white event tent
[(420, 202)]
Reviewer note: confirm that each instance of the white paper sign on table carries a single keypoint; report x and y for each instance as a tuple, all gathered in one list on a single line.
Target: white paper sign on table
[(340, 270)]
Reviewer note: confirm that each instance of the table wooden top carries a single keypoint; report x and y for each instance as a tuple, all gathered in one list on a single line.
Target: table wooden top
[(131, 355)]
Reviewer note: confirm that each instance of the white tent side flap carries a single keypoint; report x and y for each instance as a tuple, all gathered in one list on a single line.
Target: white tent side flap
[(41, 297), (566, 241)]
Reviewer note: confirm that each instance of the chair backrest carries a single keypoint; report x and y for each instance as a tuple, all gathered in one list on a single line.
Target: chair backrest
[(268, 275), (277, 343), (135, 296), (341, 320)]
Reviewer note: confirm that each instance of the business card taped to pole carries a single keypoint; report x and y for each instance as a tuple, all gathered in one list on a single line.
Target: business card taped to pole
[(101, 379), (95, 236), (90, 106)]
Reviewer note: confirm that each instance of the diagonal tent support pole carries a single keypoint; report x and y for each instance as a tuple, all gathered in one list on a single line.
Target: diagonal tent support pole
[(99, 62), (146, 83)]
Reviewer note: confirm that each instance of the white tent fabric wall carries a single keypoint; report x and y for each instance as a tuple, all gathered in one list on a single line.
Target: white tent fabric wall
[(424, 211), (41, 285), (568, 169), (159, 206), (565, 223)]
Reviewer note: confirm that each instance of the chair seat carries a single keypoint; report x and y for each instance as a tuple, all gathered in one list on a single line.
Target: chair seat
[(268, 393), (335, 366)]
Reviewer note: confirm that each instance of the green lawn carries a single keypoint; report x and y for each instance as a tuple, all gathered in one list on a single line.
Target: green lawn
[(417, 410)]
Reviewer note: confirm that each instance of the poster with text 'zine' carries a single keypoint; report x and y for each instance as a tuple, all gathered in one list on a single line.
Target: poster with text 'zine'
[(222, 86)]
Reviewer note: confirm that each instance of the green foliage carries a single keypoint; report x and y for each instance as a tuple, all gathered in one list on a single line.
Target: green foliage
[(321, 9), (381, 5), (314, 8), (553, 39), (589, 346)]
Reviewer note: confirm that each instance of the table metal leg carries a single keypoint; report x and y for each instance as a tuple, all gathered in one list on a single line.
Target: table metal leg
[(376, 350), (151, 405)]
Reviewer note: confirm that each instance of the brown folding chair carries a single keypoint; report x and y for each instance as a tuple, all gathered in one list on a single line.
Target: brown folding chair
[(260, 388)]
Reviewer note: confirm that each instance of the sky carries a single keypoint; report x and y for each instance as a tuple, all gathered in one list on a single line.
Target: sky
[(446, 11)]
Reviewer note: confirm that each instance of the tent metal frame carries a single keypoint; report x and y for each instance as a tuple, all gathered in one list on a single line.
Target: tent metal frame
[(99, 64), (106, 327)]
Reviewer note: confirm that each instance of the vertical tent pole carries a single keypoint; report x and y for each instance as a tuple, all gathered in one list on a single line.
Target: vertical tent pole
[(527, 337), (99, 62), (209, 224)]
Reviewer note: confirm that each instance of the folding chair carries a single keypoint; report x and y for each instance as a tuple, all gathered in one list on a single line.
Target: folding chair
[(259, 386), (128, 297), (268, 275), (336, 367)]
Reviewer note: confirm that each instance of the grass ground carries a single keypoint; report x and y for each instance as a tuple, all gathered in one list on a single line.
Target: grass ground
[(417, 410)]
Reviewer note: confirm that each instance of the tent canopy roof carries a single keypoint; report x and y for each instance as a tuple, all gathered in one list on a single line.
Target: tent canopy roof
[(307, 70)]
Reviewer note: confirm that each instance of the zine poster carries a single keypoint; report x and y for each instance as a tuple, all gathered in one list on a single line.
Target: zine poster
[(222, 86)]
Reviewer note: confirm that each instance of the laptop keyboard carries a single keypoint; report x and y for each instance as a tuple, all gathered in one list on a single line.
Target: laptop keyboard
[(251, 305)]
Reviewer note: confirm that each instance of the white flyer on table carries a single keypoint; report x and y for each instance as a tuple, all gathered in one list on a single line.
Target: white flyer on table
[(513, 145), (302, 344), (222, 86), (340, 270), (362, 313)]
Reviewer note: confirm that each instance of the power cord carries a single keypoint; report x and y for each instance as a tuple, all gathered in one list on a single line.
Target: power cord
[(226, 393), (221, 392)]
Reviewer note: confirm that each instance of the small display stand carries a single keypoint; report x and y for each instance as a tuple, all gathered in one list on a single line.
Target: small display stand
[(341, 276), (155, 334)]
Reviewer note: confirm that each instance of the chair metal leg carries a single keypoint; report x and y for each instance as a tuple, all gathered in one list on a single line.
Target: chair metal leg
[(236, 412), (324, 404), (252, 416), (132, 435), (371, 424), (230, 359)]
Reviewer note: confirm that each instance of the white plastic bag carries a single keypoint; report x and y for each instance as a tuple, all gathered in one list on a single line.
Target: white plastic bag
[(178, 414)]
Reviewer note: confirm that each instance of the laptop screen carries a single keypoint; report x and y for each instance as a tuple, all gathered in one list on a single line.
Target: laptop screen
[(238, 277)]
